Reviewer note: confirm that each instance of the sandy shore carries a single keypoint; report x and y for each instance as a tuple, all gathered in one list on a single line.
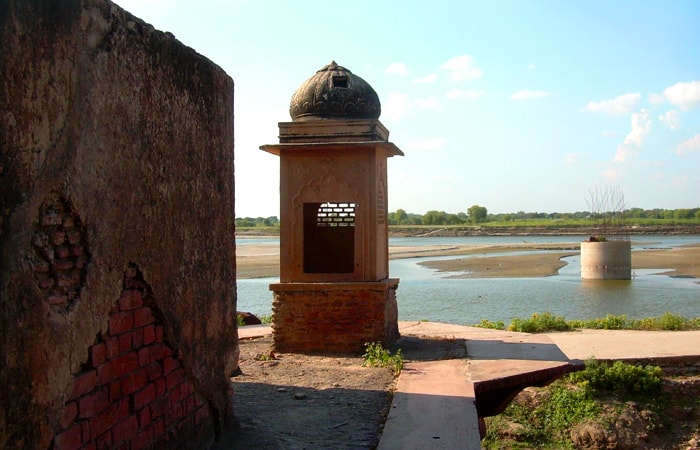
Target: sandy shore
[(255, 261)]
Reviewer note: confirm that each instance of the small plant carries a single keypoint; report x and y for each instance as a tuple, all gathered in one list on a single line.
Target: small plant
[(485, 323), (266, 319), (539, 323), (240, 320), (377, 356)]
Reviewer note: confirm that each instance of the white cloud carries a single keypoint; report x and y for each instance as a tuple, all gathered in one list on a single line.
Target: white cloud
[(641, 125), (430, 102), (428, 145), (691, 145), (571, 158), (672, 118), (430, 78), (462, 68), (397, 68), (528, 94), (621, 105), (459, 93), (395, 105), (531, 67), (684, 95)]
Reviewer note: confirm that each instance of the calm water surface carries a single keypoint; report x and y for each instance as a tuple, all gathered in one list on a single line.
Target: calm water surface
[(425, 294)]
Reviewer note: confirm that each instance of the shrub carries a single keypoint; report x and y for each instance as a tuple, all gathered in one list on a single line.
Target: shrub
[(539, 323), (491, 325), (619, 377)]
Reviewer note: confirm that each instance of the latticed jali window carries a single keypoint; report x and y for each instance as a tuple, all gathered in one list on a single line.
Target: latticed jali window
[(329, 237)]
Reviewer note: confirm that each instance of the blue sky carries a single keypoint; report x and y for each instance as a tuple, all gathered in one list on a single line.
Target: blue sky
[(511, 105)]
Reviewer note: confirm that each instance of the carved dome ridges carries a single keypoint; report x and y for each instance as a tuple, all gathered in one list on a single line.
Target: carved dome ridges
[(334, 93)]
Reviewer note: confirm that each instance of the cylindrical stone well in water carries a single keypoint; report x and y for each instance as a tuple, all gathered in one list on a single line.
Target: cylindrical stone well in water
[(606, 260)]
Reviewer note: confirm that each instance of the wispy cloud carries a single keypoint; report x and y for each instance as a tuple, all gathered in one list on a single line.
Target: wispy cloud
[(462, 68), (527, 94), (428, 79), (672, 119), (426, 145), (468, 95), (624, 104), (641, 124), (689, 146), (397, 68), (686, 96)]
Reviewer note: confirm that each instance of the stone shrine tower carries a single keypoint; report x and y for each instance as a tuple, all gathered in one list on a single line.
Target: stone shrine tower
[(334, 293)]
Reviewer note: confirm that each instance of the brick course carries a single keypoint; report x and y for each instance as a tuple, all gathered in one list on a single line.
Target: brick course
[(133, 392)]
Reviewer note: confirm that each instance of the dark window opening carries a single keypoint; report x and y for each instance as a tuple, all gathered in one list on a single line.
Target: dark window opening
[(339, 82), (329, 237)]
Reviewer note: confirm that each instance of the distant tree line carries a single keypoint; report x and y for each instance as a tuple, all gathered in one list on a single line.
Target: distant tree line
[(476, 214)]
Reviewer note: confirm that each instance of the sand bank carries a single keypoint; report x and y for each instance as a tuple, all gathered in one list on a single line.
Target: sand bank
[(255, 261)]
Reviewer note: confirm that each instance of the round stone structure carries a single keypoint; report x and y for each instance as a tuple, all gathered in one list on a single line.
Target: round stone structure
[(606, 260), (334, 92)]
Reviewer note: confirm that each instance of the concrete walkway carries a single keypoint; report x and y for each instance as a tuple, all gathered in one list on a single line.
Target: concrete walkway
[(438, 402)]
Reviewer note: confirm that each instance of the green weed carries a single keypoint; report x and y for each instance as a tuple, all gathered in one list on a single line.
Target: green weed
[(377, 356)]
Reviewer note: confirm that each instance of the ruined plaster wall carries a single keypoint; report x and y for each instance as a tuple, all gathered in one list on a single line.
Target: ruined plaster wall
[(116, 153)]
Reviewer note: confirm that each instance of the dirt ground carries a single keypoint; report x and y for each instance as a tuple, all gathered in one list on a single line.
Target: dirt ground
[(300, 401), (297, 401)]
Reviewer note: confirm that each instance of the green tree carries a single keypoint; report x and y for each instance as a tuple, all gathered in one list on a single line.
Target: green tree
[(477, 214)]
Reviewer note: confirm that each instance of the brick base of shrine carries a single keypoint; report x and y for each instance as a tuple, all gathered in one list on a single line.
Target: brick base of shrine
[(334, 317)]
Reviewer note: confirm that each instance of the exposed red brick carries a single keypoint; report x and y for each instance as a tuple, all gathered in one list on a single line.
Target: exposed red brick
[(104, 373), (70, 412), (144, 356), (137, 338), (174, 379), (125, 342), (154, 371), (104, 441), (85, 428), (98, 353), (159, 333), (170, 364), (121, 322), (134, 381), (149, 334), (115, 390), (144, 397), (69, 439), (141, 440), (125, 430), (121, 365), (161, 386), (83, 383), (94, 402), (143, 316), (112, 347), (115, 413), (144, 418), (131, 299)]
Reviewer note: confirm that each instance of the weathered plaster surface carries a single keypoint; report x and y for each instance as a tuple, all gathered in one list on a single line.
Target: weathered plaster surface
[(134, 132)]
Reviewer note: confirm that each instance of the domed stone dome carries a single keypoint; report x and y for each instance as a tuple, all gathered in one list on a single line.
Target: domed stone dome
[(334, 93)]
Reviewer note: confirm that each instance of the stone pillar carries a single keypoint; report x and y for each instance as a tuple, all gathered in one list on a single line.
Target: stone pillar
[(606, 260)]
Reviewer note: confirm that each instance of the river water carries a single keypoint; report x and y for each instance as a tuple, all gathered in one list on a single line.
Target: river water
[(425, 294)]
